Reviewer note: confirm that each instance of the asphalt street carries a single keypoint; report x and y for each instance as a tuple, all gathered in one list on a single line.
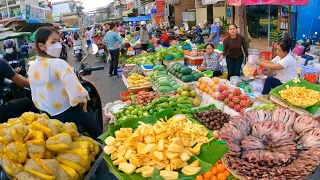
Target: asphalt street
[(108, 87)]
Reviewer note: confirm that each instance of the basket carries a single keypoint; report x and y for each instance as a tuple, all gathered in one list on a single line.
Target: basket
[(195, 60), (125, 96)]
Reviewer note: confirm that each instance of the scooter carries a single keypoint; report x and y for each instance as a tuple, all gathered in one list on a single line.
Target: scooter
[(11, 91), (199, 36), (77, 50), (64, 52)]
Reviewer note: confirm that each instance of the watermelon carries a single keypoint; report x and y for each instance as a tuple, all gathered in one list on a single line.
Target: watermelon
[(187, 78), (158, 67), (180, 67), (180, 76), (186, 70), (197, 76)]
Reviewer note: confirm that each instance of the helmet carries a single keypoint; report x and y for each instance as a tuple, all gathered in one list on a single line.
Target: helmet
[(8, 43), (143, 23), (75, 31)]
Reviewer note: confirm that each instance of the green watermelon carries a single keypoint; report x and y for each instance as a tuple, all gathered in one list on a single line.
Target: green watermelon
[(187, 78), (186, 70)]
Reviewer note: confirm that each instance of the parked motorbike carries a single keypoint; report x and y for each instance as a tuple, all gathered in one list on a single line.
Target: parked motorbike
[(77, 50), (64, 52), (199, 36), (11, 91)]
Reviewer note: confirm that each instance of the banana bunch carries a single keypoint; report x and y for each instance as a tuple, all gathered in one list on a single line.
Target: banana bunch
[(166, 145), (35, 147), (300, 96)]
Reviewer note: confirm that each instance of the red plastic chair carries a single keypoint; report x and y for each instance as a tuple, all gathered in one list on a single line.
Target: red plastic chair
[(266, 55)]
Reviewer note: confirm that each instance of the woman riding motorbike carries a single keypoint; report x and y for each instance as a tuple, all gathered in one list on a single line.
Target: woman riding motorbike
[(14, 57), (55, 87)]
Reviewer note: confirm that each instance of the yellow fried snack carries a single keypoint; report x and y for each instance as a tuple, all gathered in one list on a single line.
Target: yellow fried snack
[(59, 143), (58, 124), (39, 168), (300, 96), (73, 161), (11, 167), (66, 173), (36, 148), (166, 145), (34, 134), (15, 132), (16, 151), (46, 126), (29, 117), (71, 129)]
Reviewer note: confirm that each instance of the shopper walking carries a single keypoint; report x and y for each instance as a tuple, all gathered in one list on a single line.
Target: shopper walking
[(234, 45), (113, 41), (144, 36)]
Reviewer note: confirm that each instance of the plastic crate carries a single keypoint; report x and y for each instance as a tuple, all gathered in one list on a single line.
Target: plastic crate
[(124, 96), (194, 60)]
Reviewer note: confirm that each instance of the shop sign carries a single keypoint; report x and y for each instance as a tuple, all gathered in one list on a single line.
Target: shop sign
[(160, 6), (56, 17), (33, 12), (158, 19), (49, 17)]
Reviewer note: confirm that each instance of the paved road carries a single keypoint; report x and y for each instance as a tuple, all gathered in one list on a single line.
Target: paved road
[(109, 87)]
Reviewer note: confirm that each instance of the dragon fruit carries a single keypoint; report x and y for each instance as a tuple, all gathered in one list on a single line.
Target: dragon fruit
[(237, 92), (231, 97), (236, 100), (226, 100), (242, 111), (222, 88), (231, 104), (221, 97), (225, 93), (243, 97), (237, 107)]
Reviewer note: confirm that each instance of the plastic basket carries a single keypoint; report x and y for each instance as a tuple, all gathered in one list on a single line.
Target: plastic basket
[(194, 60), (207, 73), (147, 67)]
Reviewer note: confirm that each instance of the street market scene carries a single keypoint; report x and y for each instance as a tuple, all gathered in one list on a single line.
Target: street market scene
[(160, 89)]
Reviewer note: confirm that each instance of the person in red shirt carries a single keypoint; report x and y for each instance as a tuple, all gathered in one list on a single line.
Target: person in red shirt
[(164, 39)]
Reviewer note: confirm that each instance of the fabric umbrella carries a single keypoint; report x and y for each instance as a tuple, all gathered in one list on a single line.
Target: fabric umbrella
[(33, 36), (268, 2)]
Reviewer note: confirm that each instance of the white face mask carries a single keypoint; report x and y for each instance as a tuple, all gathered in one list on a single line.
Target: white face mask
[(54, 50), (9, 50)]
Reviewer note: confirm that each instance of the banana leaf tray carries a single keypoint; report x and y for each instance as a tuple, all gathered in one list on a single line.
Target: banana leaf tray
[(209, 155), (87, 176), (312, 109)]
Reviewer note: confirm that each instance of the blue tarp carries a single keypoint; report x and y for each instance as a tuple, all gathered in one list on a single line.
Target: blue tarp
[(138, 18)]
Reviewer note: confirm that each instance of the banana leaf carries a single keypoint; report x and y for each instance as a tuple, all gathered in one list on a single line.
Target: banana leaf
[(313, 109), (201, 109), (209, 155)]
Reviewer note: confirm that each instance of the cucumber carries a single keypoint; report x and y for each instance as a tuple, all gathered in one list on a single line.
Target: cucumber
[(182, 106), (186, 111)]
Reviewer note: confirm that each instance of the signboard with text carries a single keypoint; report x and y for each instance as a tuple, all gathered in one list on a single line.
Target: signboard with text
[(35, 13), (160, 6)]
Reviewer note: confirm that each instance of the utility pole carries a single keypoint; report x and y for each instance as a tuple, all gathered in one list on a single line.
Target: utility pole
[(8, 10)]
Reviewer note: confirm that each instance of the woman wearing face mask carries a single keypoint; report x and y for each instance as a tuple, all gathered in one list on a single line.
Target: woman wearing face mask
[(14, 57), (54, 86), (284, 64), (233, 46)]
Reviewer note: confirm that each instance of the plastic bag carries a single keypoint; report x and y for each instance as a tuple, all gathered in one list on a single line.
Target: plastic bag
[(298, 50), (109, 58), (252, 59), (257, 85)]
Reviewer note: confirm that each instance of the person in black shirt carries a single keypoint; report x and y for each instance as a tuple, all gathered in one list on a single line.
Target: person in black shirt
[(13, 108), (14, 57)]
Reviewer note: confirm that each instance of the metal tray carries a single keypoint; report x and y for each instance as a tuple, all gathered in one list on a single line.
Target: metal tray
[(89, 175)]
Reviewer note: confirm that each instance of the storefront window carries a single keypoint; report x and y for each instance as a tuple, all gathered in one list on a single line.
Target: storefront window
[(257, 19)]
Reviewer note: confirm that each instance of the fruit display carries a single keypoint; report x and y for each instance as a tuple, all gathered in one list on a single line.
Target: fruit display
[(137, 80), (275, 144), (268, 106), (300, 96), (213, 118), (217, 172), (184, 73), (178, 104), (222, 91), (162, 81), (144, 98), (145, 59), (191, 94), (36, 147), (167, 145), (196, 53), (201, 46), (131, 111), (134, 70)]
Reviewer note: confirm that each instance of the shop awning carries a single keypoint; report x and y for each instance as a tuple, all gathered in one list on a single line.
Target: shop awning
[(12, 35), (112, 19), (268, 2), (22, 25), (138, 18)]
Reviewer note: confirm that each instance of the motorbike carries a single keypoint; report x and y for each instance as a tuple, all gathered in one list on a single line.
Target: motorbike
[(64, 52), (77, 50), (11, 91), (102, 55), (199, 36)]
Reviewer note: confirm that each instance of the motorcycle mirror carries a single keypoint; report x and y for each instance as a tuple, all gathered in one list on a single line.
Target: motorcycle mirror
[(93, 49)]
